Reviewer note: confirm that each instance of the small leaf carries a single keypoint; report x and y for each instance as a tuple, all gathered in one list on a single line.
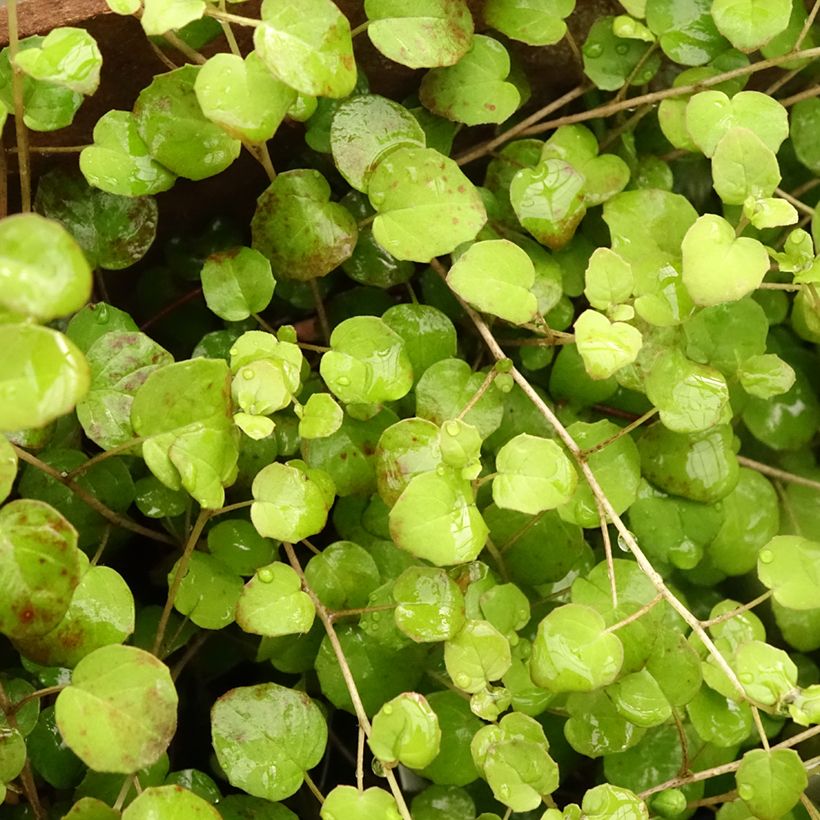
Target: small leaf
[(805, 117), (308, 48), (742, 167), (478, 654), (405, 449), (343, 575), (8, 467), (237, 283), (766, 376), (208, 592), (770, 782), (768, 675), (534, 22), (67, 57), (609, 279), (686, 32), (749, 24), (770, 212), (430, 605), (606, 801), (272, 603), (605, 346), (257, 728), (119, 713), (171, 803), (788, 565), (496, 277), (348, 803), (406, 731), (609, 60), (432, 33), (321, 417), (159, 16)]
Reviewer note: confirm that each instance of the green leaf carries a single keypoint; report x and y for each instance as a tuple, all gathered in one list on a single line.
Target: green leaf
[(770, 212), (237, 283), (605, 346), (606, 801), (685, 29), (8, 468), (608, 279), (432, 33), (42, 376), (442, 803), (289, 504), (749, 24), (475, 90), (208, 593), (239, 546), (788, 565), (496, 277), (273, 604), (768, 674), (348, 803), (119, 713), (298, 228), (406, 731), (12, 754), (67, 57), (805, 117), (159, 16), (176, 132), (535, 22), (244, 807), (308, 47), (639, 698), (365, 129), (595, 727), (43, 273), (766, 375), (258, 728), (743, 167), (89, 808), (343, 575), (436, 519), (405, 449), (454, 763), (40, 567), (770, 782), (534, 474), (367, 363), (572, 652), (429, 605), (321, 417), (476, 655), (171, 802), (119, 162), (710, 245), (431, 212), (609, 60)]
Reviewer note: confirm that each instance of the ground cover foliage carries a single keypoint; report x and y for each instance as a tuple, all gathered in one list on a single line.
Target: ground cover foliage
[(473, 482)]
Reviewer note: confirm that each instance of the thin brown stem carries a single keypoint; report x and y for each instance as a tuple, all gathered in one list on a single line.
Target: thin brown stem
[(263, 324), (805, 187), (233, 18), (265, 160), (182, 568), (624, 89), (20, 129), (476, 397), (810, 808), (801, 206), (574, 48), (807, 94), (183, 48), (787, 286), (228, 32), (624, 431), (40, 693), (335, 615), (239, 505), (782, 80), (314, 789), (809, 22), (320, 309), (639, 613), (197, 642), (90, 500), (26, 775), (774, 472), (360, 761), (628, 125), (51, 149), (610, 562), (106, 454), (727, 616), (360, 29), (761, 730), (684, 743), (103, 544), (554, 341), (497, 557), (162, 56)]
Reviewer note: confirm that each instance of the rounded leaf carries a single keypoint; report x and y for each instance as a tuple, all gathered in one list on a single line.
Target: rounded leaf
[(170, 803), (429, 604), (789, 565), (770, 782), (535, 22), (67, 57), (749, 24), (406, 731), (237, 283), (348, 803)]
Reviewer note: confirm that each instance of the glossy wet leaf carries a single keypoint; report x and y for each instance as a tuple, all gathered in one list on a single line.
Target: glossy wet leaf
[(749, 24), (435, 518), (289, 504), (321, 417), (770, 782), (8, 468), (475, 90), (710, 245), (476, 655), (434, 210), (177, 133), (173, 802), (242, 96), (273, 604), (43, 272), (298, 228), (367, 363), (606, 800), (119, 161), (244, 807), (343, 575), (12, 754), (208, 593), (640, 699), (159, 16), (431, 33), (266, 737), (429, 604), (119, 713), (573, 653), (788, 566), (41, 567), (348, 803), (67, 57), (804, 118), (90, 808), (236, 543), (686, 31), (595, 728), (768, 674), (608, 279), (237, 283), (406, 730), (534, 22), (605, 346), (454, 763), (743, 166), (405, 449), (766, 375), (609, 60), (366, 128), (496, 277), (308, 47)]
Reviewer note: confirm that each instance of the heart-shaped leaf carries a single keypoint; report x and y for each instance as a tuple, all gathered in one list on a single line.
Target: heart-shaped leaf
[(348, 803), (405, 449), (208, 591), (749, 24), (717, 265), (171, 802), (606, 800), (320, 417), (609, 60), (272, 603), (432, 211), (605, 346), (159, 16), (496, 277), (770, 783), (686, 32), (534, 22), (307, 46), (429, 604), (67, 57), (237, 283), (608, 279), (406, 730), (743, 167), (766, 375), (299, 229), (478, 654), (788, 565), (242, 96), (474, 90), (430, 33)]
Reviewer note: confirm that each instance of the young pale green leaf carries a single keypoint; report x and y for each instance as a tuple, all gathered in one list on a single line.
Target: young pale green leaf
[(711, 114), (308, 47), (572, 651), (788, 565), (749, 24), (686, 32), (436, 519), (42, 376), (766, 376), (120, 711), (431, 212), (429, 605), (67, 57), (805, 119), (743, 167), (534, 474), (405, 449), (176, 132), (769, 212), (460, 445), (237, 283), (770, 782), (535, 22), (431, 33), (364, 129), (607, 801), (257, 728), (609, 279), (476, 655), (289, 504), (8, 467), (406, 731), (768, 674), (605, 346), (348, 803), (272, 603), (609, 60), (208, 592), (321, 417), (496, 277), (159, 16), (367, 363), (475, 90), (242, 96), (299, 229), (43, 272), (170, 802), (119, 162), (717, 265)]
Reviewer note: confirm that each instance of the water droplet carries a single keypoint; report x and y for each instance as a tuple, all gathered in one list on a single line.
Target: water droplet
[(387, 709), (343, 381), (265, 576), (252, 409), (766, 556), (622, 48), (593, 50), (102, 314), (376, 616), (504, 790), (441, 469), (746, 677), (746, 791), (452, 428), (462, 680), (233, 351), (248, 374)]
